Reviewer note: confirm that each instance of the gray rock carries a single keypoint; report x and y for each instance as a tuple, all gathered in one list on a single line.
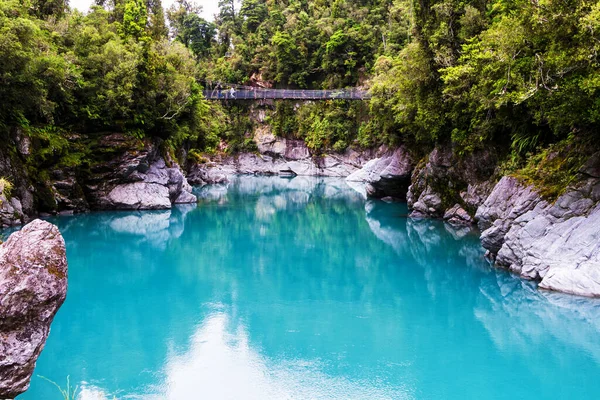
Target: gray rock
[(139, 196), (33, 285), (458, 216), (292, 160), (387, 176), (558, 244), (428, 204), (508, 201), (140, 182), (439, 181), (592, 166), (11, 211)]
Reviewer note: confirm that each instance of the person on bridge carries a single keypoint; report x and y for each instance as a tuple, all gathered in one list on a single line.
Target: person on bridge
[(232, 93)]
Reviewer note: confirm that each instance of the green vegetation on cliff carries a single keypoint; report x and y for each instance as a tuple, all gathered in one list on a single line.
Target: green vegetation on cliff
[(518, 75), (103, 71)]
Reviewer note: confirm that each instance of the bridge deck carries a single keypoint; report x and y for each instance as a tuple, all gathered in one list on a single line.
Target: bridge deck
[(252, 93)]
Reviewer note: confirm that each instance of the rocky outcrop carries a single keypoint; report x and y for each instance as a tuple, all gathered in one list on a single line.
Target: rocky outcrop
[(558, 244), (19, 206), (451, 187), (279, 156), (386, 176), (508, 201), (11, 211), (134, 177), (33, 285)]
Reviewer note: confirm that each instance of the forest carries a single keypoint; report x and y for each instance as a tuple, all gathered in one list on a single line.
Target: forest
[(521, 76)]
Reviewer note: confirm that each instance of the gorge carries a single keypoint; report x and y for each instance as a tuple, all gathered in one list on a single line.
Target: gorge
[(343, 199)]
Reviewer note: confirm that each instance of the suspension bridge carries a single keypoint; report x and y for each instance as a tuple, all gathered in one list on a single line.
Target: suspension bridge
[(239, 92)]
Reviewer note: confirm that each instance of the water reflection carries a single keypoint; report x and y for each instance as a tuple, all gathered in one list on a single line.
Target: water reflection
[(299, 288)]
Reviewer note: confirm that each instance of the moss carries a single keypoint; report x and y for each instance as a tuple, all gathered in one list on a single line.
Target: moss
[(552, 169), (197, 157), (53, 270)]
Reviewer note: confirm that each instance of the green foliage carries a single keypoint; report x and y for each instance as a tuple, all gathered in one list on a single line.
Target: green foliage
[(6, 188), (189, 28), (331, 125), (105, 71), (135, 16), (553, 168), (520, 75), (284, 122)]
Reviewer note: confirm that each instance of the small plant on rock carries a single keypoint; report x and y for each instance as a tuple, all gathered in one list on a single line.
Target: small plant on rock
[(5, 188)]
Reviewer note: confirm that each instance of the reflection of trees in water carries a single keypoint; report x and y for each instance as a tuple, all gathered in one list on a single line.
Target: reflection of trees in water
[(294, 263)]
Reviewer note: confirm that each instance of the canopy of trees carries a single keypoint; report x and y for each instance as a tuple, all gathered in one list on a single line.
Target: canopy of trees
[(518, 73), (111, 69)]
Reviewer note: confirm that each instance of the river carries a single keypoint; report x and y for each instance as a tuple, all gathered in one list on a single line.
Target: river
[(276, 288)]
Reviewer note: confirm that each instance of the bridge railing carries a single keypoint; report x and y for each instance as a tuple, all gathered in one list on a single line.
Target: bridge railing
[(252, 93)]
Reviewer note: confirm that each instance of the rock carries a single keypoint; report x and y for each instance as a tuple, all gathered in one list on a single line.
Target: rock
[(21, 206), (33, 285), (508, 201), (458, 216), (429, 204), (592, 166), (293, 160), (136, 178), (139, 196), (558, 244), (67, 191), (11, 211), (387, 176), (443, 180)]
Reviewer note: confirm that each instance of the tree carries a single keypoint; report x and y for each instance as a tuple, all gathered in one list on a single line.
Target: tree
[(189, 28), (156, 20), (135, 15)]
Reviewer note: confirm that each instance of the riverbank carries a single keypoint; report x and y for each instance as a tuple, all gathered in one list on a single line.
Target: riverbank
[(553, 242)]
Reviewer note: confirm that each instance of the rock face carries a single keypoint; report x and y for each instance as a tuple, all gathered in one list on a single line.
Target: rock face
[(508, 201), (387, 176), (279, 156), (558, 243), (11, 211), (135, 178), (16, 209), (33, 285), (451, 187)]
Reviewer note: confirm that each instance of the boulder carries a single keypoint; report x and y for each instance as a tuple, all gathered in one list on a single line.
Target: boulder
[(136, 178), (386, 176), (458, 216), (33, 285), (509, 200)]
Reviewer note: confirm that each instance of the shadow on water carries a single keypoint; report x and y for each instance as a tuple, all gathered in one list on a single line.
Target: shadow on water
[(299, 288)]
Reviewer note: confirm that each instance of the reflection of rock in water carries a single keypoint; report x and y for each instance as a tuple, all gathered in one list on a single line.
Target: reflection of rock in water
[(154, 227), (386, 222), (278, 193), (516, 314)]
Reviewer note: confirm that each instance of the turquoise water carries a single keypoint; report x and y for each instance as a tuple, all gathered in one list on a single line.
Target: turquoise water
[(299, 289)]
